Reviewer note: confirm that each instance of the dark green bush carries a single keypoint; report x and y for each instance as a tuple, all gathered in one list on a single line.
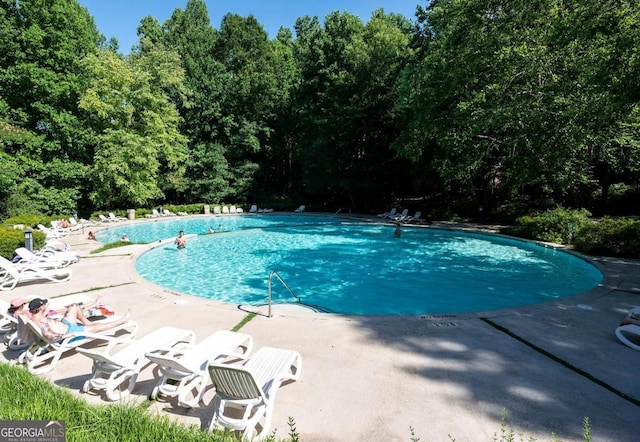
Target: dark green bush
[(191, 209), (558, 225), (610, 237), (27, 220), (11, 239)]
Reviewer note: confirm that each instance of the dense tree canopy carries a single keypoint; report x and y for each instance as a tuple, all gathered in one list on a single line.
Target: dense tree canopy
[(509, 105)]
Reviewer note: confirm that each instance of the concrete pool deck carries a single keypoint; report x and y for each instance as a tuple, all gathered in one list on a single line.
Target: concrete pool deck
[(374, 378)]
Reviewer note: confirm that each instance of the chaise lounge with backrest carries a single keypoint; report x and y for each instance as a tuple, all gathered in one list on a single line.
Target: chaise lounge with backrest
[(184, 374), (245, 394), (43, 354), (12, 275), (629, 333), (116, 367)]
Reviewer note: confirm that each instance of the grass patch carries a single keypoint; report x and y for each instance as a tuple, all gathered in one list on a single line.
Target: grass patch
[(39, 400), (242, 323), (113, 245)]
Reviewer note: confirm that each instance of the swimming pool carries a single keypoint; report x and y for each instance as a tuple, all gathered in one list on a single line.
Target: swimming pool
[(159, 229), (356, 268)]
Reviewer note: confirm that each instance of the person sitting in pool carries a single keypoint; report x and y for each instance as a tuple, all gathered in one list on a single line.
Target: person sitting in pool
[(91, 236), (211, 230), (181, 240), (73, 323), (124, 238), (397, 232)]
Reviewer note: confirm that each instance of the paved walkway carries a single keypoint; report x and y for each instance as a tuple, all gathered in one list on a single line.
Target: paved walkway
[(373, 378)]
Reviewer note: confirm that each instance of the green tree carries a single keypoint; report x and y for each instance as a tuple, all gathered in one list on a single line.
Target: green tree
[(513, 99), (137, 144), (41, 45), (347, 100), (190, 34)]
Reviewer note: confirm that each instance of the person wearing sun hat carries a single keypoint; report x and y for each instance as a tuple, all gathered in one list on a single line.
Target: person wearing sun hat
[(24, 337), (17, 307), (36, 303), (74, 322)]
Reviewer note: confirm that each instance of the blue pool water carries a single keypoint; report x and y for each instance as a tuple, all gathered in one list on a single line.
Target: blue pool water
[(159, 229), (362, 268)]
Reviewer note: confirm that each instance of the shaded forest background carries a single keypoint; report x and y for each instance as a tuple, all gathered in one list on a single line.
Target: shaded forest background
[(509, 106)]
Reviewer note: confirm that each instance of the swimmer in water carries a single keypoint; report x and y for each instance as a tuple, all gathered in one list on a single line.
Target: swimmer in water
[(181, 240)]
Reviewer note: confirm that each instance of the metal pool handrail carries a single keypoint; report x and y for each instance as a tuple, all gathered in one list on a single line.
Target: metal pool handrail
[(273, 272)]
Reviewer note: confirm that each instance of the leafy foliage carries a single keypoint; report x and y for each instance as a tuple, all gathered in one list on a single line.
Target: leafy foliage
[(559, 225), (507, 105), (11, 239), (610, 237)]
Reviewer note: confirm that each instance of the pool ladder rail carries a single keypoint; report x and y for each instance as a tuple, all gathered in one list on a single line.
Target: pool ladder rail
[(270, 284), (271, 275)]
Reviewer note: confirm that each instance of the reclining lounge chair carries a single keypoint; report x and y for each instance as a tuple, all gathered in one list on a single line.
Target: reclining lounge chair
[(629, 333), (116, 371), (250, 389), (43, 355), (11, 275), (184, 374)]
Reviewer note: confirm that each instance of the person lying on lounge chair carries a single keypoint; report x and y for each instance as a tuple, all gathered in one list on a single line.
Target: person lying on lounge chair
[(633, 317), (74, 321)]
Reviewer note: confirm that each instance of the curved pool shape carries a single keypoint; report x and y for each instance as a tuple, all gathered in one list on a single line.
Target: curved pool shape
[(159, 229), (365, 270)]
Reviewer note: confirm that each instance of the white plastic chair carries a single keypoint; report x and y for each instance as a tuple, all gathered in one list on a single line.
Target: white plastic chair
[(116, 371), (186, 374), (249, 390)]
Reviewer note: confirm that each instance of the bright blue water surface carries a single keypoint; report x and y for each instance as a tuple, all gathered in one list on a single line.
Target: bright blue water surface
[(356, 268)]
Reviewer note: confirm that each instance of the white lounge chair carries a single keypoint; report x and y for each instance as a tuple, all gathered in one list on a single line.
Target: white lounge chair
[(7, 322), (154, 214), (43, 355), (104, 219), (11, 275), (86, 223), (388, 214), (300, 209), (116, 371), (412, 218), (185, 375), (9, 327), (63, 230), (47, 258), (114, 218), (74, 224), (216, 210), (52, 233), (251, 390), (225, 210), (629, 334), (401, 216), (253, 209)]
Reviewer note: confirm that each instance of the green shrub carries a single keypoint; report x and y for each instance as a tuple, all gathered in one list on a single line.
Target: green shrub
[(191, 209), (11, 239), (558, 225), (610, 237), (26, 220)]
